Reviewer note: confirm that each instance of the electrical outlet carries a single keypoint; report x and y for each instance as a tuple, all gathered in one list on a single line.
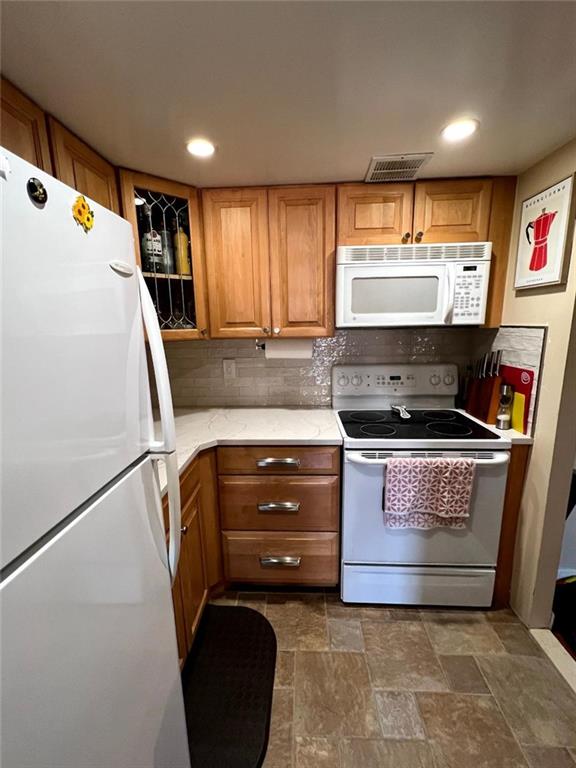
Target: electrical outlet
[(229, 368)]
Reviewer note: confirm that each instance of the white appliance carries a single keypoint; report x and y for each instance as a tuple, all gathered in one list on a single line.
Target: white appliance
[(400, 285), (441, 566), (90, 674)]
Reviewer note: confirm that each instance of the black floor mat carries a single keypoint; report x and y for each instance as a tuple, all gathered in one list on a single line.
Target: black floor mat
[(228, 681)]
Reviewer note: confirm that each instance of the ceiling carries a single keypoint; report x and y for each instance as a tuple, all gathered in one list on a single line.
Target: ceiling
[(299, 91)]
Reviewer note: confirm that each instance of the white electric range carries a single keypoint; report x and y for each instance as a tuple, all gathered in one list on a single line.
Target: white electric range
[(386, 411)]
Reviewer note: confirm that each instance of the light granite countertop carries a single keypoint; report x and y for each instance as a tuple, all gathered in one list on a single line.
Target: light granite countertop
[(200, 428)]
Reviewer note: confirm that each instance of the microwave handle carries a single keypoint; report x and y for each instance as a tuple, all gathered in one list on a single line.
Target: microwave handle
[(450, 290)]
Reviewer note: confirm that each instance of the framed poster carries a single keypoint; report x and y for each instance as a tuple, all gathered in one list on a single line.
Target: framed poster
[(545, 228)]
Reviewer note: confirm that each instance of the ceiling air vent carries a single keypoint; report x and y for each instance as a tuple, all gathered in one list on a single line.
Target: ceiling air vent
[(396, 167)]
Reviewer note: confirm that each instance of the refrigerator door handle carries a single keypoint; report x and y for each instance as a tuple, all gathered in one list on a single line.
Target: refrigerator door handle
[(174, 514), (167, 443)]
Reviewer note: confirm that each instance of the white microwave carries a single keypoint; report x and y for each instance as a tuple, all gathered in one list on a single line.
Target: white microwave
[(400, 285)]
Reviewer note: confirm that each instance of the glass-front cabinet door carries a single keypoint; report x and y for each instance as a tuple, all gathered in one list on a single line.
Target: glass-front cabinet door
[(165, 217)]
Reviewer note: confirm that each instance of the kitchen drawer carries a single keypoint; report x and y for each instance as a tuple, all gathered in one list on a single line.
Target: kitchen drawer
[(279, 503), (313, 557), (286, 460)]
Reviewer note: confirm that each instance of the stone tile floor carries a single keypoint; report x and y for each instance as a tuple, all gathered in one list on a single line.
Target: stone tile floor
[(384, 687)]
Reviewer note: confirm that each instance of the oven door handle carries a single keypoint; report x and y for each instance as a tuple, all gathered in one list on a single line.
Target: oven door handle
[(499, 458)]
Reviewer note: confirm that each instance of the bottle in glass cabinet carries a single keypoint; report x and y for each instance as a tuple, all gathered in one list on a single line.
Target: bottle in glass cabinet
[(152, 257), (181, 247), (167, 250)]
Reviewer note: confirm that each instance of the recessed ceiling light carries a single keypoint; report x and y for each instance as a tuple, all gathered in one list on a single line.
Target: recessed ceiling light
[(460, 129), (200, 148)]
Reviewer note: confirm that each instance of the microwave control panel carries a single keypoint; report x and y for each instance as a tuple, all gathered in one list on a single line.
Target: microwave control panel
[(470, 293)]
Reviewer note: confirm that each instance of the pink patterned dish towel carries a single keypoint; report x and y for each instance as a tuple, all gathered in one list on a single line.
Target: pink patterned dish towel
[(428, 493)]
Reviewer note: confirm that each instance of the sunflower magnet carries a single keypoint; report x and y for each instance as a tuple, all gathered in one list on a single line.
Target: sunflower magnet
[(82, 214)]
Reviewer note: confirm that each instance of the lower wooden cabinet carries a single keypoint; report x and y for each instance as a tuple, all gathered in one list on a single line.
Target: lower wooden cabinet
[(295, 557), (280, 513), (200, 564)]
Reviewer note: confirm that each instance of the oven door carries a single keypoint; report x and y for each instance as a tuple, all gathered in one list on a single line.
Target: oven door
[(394, 295), (365, 539)]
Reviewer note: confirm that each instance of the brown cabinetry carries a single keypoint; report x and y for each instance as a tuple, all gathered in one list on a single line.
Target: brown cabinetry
[(165, 217), (433, 211), (375, 214), (302, 260), (237, 261), (79, 166), (281, 557), (200, 564), (280, 513), (452, 211), (23, 126), (270, 261)]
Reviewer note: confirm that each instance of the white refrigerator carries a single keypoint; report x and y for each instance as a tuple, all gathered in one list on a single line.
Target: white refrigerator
[(88, 657)]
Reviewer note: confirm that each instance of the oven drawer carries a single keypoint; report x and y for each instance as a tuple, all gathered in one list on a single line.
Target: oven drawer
[(411, 585), (279, 503), (281, 557), (273, 460)]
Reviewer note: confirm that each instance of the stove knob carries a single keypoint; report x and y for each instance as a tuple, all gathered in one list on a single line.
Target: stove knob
[(343, 381), (356, 380), (449, 379), (435, 379)]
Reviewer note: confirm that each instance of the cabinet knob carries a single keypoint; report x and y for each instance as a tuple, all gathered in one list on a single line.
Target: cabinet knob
[(419, 236), (276, 331), (266, 330), (406, 237), (204, 331), (184, 530)]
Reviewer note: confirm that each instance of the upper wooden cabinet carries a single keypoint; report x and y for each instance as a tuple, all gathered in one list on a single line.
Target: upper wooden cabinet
[(270, 261), (165, 217), (302, 260), (79, 166), (24, 127), (374, 214), (237, 261), (452, 211)]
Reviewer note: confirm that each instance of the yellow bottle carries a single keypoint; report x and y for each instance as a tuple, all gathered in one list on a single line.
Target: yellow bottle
[(181, 249)]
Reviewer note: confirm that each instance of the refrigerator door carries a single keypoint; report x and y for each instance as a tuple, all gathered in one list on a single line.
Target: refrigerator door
[(75, 402), (89, 658)]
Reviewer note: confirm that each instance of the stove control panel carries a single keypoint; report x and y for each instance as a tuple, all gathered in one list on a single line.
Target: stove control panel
[(413, 379)]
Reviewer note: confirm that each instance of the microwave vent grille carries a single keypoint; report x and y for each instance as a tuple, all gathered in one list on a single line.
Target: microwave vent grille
[(396, 167), (401, 253)]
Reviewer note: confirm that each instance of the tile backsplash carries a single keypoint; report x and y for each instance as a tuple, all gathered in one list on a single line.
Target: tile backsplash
[(197, 376)]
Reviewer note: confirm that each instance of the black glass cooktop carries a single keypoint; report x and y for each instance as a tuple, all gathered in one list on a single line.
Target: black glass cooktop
[(422, 425)]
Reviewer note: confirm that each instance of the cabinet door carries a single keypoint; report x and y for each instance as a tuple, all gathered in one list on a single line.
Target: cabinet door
[(452, 211), (165, 218), (24, 127), (212, 540), (191, 570), (374, 214), (179, 620), (79, 166), (237, 262), (302, 263)]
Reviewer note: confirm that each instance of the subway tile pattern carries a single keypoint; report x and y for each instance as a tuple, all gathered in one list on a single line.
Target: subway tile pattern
[(387, 687), (197, 379)]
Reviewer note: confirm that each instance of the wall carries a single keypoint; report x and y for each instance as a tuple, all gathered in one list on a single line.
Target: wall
[(197, 379), (544, 502)]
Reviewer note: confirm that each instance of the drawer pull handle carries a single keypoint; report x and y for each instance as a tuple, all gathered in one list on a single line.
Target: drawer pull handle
[(272, 561), (279, 506), (271, 462)]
